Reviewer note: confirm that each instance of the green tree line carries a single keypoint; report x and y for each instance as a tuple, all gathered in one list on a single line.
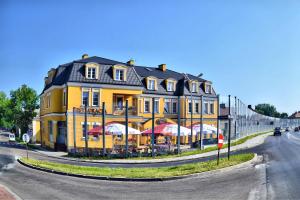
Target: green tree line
[(18, 109), (269, 110)]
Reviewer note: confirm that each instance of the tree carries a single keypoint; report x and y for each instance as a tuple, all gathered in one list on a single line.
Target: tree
[(284, 115), (267, 109), (4, 111), (23, 103)]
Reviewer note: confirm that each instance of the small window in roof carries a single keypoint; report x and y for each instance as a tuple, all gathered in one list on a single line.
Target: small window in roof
[(148, 69)]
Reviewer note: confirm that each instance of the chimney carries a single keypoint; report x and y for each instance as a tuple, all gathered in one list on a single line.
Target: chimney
[(130, 62), (162, 67), (85, 56)]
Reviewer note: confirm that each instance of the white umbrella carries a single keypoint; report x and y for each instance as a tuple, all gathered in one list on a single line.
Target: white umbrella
[(120, 129), (173, 128)]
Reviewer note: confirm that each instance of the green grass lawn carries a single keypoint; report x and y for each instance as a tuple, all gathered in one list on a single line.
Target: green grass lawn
[(161, 172)]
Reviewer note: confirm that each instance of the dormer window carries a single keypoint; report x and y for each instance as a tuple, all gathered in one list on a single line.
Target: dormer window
[(91, 73), (91, 70), (170, 83), (208, 88), (151, 84), (119, 72), (194, 87), (170, 86)]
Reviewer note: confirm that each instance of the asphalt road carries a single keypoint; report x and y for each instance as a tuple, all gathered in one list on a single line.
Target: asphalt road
[(275, 178)]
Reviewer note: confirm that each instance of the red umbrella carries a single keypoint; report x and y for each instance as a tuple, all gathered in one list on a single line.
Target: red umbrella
[(158, 130), (97, 131)]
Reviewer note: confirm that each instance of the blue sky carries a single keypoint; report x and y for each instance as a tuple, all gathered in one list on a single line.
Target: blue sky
[(246, 48)]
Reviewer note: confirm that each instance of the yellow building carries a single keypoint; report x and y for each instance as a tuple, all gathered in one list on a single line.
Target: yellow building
[(93, 80)]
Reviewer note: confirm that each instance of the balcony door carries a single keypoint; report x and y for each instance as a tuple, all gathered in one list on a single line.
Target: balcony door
[(119, 102)]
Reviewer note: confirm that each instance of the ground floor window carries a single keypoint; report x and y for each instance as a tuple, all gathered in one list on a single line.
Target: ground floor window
[(50, 131), (83, 129)]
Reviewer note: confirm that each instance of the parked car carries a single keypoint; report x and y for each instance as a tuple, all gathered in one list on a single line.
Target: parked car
[(277, 131), (11, 137), (287, 129), (296, 129)]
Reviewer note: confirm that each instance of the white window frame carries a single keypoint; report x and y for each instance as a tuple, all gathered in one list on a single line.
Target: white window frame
[(91, 72), (95, 92), (48, 100), (118, 74), (88, 100), (208, 88), (64, 97), (156, 100), (146, 100), (150, 86), (194, 87), (169, 101), (197, 103), (204, 106), (176, 106), (190, 101), (172, 84), (213, 106)]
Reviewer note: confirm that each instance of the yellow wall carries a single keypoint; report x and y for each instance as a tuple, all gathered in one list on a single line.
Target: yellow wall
[(56, 101), (74, 99)]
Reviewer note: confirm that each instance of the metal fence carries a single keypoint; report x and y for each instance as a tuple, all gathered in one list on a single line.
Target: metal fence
[(238, 119), (235, 120)]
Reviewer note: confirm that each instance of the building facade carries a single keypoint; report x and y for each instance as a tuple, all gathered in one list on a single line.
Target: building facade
[(93, 80)]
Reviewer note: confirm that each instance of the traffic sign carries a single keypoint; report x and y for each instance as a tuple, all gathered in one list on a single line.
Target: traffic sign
[(25, 138), (220, 141)]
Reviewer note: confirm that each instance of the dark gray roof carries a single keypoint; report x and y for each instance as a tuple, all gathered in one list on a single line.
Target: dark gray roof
[(74, 72), (105, 76), (99, 60), (151, 71)]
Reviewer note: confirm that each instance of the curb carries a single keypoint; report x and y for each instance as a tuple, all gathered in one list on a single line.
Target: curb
[(107, 178), (160, 160)]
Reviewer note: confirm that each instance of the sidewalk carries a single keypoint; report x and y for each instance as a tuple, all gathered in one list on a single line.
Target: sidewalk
[(248, 144), (6, 194)]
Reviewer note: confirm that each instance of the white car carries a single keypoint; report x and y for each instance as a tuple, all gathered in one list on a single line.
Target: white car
[(11, 137)]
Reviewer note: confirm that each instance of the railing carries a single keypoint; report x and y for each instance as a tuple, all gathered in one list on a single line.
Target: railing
[(120, 110)]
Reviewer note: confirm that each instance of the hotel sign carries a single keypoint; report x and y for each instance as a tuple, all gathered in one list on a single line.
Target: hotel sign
[(93, 111)]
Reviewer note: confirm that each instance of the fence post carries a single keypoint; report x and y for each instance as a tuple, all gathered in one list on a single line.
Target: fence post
[(201, 125), (126, 128), (103, 128), (218, 114), (74, 129), (86, 131), (229, 127), (192, 121), (235, 118), (178, 123), (152, 135)]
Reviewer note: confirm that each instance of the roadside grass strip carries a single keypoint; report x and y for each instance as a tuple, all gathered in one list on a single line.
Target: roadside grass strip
[(160, 172)]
